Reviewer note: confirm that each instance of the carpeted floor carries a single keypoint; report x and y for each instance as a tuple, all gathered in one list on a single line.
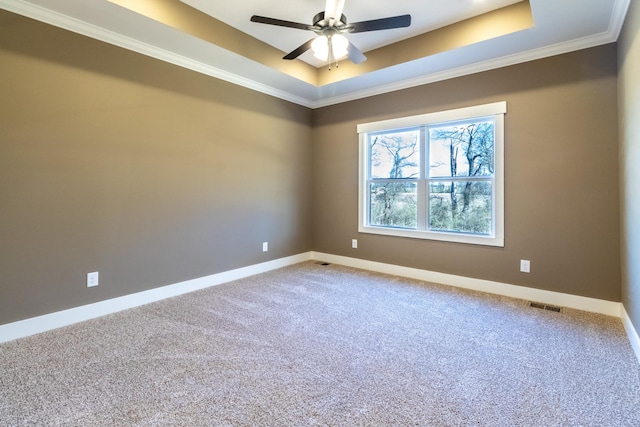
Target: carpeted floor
[(326, 345)]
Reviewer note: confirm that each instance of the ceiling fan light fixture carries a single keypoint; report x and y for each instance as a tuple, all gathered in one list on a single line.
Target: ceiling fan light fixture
[(320, 48), (339, 46)]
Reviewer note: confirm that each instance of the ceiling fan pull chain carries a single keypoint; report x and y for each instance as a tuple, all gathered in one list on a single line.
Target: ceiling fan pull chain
[(332, 57), (330, 45)]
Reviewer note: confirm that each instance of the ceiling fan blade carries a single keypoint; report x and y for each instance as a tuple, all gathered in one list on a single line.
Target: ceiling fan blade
[(333, 9), (280, 23), (380, 24), (355, 55), (299, 51)]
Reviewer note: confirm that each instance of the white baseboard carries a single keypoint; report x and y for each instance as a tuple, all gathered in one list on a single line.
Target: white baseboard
[(634, 339), (35, 325), (58, 319), (593, 305)]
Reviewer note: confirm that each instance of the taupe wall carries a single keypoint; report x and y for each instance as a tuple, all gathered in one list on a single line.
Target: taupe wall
[(629, 101), (561, 172), (151, 174)]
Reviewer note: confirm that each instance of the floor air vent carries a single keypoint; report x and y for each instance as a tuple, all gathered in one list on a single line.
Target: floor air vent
[(545, 307)]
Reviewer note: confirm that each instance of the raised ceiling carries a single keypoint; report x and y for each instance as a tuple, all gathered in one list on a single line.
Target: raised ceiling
[(446, 39), (425, 16)]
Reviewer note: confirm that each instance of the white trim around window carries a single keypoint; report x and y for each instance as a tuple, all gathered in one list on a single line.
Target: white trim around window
[(420, 228)]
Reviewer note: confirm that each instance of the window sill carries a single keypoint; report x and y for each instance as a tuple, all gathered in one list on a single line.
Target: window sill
[(488, 240)]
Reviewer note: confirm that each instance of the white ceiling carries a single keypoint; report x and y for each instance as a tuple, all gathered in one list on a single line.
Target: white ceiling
[(560, 26)]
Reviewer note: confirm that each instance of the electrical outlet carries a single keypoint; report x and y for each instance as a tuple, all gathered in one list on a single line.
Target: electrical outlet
[(525, 266), (92, 279), (265, 246), (354, 243)]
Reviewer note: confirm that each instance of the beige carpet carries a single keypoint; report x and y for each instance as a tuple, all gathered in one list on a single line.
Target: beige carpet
[(325, 345)]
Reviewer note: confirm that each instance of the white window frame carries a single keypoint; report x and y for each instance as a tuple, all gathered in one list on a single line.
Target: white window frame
[(496, 111)]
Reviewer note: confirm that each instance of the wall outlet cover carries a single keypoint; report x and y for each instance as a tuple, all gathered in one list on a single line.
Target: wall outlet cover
[(93, 279)]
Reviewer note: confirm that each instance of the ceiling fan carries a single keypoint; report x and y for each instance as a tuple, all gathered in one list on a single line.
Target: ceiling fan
[(330, 25)]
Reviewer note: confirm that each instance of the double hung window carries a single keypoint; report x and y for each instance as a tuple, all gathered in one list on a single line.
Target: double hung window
[(435, 176)]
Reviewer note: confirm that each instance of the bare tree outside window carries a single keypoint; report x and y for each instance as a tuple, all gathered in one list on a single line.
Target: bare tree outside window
[(464, 155), (395, 167)]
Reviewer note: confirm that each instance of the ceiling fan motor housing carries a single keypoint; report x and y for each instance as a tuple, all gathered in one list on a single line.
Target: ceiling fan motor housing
[(319, 21)]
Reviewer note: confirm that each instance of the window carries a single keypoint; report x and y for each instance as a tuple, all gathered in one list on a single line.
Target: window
[(435, 176)]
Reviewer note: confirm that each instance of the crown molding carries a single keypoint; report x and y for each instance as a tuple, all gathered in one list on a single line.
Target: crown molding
[(65, 22), (478, 67), (72, 24), (618, 15)]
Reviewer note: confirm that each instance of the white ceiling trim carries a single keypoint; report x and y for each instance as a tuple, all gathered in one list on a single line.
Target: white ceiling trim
[(77, 26), (620, 9), (72, 24), (478, 67)]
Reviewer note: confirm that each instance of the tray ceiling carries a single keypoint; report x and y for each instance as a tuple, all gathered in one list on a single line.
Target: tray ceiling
[(445, 40)]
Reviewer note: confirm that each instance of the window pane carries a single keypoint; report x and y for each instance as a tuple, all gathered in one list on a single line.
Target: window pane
[(461, 150), (460, 207), (395, 155), (394, 204)]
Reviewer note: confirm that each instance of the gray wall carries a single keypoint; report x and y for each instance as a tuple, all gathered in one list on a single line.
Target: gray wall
[(561, 174), (151, 174), (629, 101)]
